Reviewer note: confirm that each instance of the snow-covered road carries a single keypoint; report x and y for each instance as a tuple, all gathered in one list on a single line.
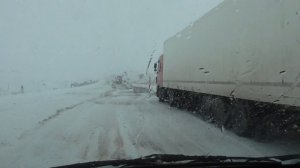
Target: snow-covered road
[(97, 122)]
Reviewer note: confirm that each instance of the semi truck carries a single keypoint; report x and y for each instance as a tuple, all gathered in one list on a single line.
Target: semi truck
[(239, 67)]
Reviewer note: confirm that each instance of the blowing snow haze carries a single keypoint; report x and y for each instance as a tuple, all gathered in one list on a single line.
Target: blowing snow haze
[(80, 39)]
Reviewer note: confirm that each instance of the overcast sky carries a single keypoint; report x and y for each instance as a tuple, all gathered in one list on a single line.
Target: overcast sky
[(87, 39)]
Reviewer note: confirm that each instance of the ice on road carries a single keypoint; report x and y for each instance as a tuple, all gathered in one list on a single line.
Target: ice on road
[(97, 122)]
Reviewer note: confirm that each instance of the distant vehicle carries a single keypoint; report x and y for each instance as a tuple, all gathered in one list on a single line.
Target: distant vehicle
[(238, 66), (118, 80), (76, 84)]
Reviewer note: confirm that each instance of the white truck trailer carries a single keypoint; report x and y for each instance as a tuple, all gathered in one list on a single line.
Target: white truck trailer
[(240, 65)]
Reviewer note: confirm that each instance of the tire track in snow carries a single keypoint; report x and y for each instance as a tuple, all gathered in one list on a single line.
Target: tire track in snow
[(113, 140), (117, 141), (67, 108), (102, 145), (92, 148), (48, 119), (58, 113), (132, 134), (110, 143), (105, 142), (153, 144), (129, 145)]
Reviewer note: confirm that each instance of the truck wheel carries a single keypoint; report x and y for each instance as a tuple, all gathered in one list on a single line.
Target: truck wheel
[(205, 109), (261, 133), (160, 94), (278, 123), (171, 97), (198, 102), (188, 101), (181, 99), (219, 111), (239, 118)]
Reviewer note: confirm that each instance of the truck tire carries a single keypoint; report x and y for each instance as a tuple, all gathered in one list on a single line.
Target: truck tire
[(188, 101), (239, 119), (205, 108), (171, 97), (160, 94), (261, 133), (278, 124), (219, 112)]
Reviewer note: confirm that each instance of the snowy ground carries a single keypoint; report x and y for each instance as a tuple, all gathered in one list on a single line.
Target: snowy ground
[(97, 122)]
